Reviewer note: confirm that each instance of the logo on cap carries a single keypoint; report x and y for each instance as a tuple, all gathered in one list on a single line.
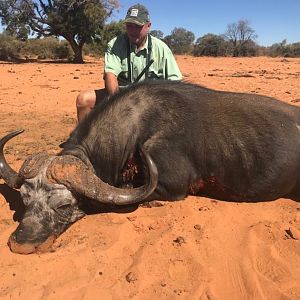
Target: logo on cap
[(134, 12)]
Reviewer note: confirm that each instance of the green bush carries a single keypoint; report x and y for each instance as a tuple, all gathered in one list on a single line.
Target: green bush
[(210, 45), (46, 48), (63, 51), (98, 46), (284, 49), (9, 47)]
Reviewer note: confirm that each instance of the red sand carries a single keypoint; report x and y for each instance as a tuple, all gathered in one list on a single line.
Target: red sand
[(198, 248)]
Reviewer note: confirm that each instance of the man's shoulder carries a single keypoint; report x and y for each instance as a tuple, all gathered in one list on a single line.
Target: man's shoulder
[(119, 40), (118, 45)]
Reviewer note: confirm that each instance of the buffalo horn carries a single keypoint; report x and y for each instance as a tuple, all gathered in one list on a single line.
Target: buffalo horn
[(77, 177), (32, 165), (11, 177)]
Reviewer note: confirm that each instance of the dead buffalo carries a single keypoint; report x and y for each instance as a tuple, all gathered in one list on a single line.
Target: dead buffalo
[(166, 140)]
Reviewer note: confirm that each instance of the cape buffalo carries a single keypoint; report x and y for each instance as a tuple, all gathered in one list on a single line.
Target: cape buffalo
[(166, 140)]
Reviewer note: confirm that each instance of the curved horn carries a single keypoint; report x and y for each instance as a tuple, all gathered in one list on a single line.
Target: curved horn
[(75, 175), (11, 177), (32, 165)]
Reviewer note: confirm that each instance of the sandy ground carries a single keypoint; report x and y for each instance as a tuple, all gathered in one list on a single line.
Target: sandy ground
[(198, 248)]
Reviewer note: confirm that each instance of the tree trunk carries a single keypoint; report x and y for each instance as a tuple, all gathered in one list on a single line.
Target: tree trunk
[(78, 57), (236, 52), (77, 49)]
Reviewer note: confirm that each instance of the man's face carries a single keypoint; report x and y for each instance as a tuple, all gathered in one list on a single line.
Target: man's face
[(136, 33)]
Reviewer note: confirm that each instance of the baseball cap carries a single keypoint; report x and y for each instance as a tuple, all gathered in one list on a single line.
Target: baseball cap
[(137, 14)]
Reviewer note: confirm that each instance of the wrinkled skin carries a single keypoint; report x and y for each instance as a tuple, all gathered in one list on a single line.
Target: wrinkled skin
[(50, 210)]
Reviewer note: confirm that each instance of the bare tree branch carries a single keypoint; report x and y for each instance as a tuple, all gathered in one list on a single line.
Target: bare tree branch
[(239, 35)]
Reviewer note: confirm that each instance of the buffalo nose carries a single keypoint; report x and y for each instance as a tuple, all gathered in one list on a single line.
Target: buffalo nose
[(30, 236), (28, 248), (29, 231), (16, 247)]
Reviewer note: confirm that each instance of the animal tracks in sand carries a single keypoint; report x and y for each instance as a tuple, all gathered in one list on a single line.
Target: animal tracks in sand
[(274, 256), (258, 259)]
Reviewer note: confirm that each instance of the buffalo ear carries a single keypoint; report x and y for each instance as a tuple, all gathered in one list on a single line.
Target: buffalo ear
[(32, 165)]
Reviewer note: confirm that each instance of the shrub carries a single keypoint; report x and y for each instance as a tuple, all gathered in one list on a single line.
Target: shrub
[(47, 48), (210, 45), (9, 47)]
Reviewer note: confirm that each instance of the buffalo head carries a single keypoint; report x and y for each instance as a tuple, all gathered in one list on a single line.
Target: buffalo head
[(50, 187)]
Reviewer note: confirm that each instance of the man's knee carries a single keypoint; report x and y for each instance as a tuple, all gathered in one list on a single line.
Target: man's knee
[(86, 99)]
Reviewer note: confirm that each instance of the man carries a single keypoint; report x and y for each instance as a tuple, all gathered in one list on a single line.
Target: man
[(129, 58)]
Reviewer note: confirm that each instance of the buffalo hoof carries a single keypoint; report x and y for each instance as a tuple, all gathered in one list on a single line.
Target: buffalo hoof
[(28, 248)]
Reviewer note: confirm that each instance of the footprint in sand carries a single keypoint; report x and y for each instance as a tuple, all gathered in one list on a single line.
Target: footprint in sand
[(275, 259)]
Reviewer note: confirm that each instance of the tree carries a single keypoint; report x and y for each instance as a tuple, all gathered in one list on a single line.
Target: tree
[(278, 49), (180, 40), (9, 46), (240, 34), (210, 45), (294, 49), (103, 36), (157, 33), (76, 21), (21, 32), (284, 49), (17, 26), (249, 49)]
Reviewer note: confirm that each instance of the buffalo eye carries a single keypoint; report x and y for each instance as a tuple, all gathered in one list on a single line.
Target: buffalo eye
[(64, 210), (64, 206)]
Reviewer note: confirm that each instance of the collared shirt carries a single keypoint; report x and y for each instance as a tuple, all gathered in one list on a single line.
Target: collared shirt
[(164, 61)]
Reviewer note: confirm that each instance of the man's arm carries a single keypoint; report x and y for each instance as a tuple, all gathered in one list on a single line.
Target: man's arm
[(163, 55), (111, 83), (113, 64), (171, 67)]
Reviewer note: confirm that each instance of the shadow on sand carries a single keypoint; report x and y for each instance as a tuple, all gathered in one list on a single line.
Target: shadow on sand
[(90, 207), (14, 200), (16, 60)]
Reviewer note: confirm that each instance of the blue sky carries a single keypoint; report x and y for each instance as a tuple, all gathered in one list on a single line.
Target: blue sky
[(273, 20)]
